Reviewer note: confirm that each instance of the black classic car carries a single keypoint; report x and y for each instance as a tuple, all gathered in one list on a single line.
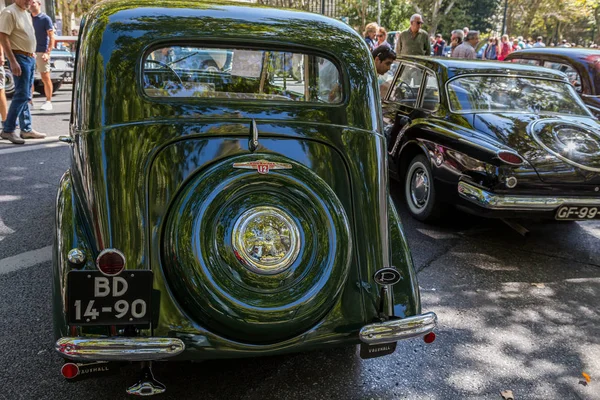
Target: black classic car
[(581, 65), (234, 211), (496, 139)]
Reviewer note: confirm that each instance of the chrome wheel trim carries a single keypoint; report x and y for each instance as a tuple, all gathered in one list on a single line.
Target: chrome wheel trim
[(254, 235), (419, 187)]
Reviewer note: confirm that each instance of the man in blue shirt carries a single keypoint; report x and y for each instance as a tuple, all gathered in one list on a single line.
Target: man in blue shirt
[(44, 36)]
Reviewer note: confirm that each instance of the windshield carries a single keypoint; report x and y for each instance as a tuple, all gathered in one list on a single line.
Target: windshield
[(513, 94), (242, 74)]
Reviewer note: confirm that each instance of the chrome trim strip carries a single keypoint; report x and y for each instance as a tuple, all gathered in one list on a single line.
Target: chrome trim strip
[(398, 329), (118, 348), (492, 201)]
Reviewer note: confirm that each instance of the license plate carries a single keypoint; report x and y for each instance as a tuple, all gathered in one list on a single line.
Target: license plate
[(96, 299), (577, 213)]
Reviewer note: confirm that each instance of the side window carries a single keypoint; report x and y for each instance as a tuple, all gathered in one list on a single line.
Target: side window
[(406, 87), (431, 98), (571, 73)]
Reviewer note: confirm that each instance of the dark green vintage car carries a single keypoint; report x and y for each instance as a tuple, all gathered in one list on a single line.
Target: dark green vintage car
[(229, 211)]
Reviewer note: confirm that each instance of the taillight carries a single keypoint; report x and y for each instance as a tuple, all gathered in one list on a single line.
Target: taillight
[(69, 370), (429, 338), (510, 158), (110, 262)]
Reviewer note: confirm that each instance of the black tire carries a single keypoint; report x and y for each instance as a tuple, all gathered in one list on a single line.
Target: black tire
[(419, 190), (40, 88)]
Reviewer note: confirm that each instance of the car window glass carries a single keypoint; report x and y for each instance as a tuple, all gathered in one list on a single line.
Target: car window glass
[(227, 73), (406, 87), (431, 98), (571, 73), (513, 94)]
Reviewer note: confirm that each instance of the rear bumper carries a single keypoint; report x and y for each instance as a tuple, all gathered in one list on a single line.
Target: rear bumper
[(398, 329), (118, 348), (491, 201)]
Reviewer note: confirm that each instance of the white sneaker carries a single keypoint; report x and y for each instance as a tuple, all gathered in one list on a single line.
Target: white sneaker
[(47, 106)]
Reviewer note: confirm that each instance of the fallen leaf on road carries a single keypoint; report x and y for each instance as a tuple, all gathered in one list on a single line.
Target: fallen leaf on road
[(538, 285), (587, 378), (507, 395)]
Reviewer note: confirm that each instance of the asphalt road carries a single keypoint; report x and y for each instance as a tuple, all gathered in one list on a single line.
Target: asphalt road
[(515, 313)]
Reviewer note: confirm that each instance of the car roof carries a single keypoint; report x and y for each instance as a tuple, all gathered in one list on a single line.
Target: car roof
[(220, 21), (571, 52), (456, 66)]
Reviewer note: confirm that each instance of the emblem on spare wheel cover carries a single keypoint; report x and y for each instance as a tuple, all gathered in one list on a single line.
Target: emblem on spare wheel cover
[(262, 166), (387, 276)]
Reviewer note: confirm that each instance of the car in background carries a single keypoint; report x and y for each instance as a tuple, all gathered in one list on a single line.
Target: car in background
[(38, 86), (233, 211), (581, 65), (493, 138)]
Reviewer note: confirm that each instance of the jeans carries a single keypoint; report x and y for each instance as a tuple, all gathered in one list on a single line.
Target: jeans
[(19, 107)]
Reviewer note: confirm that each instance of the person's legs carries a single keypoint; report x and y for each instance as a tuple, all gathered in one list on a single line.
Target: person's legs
[(20, 99), (43, 67), (21, 95), (25, 115)]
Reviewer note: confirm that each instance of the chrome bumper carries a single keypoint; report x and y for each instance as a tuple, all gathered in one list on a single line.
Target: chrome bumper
[(492, 201), (398, 329), (118, 348)]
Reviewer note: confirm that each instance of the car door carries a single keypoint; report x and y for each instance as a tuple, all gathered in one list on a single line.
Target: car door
[(401, 100), (413, 94)]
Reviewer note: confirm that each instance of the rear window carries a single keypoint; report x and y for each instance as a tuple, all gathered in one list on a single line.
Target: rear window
[(225, 73), (513, 94)]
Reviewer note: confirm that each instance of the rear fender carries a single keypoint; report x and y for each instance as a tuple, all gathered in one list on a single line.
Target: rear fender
[(407, 300), (67, 235)]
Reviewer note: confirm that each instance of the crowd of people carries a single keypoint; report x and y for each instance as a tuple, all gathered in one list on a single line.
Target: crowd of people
[(463, 42)]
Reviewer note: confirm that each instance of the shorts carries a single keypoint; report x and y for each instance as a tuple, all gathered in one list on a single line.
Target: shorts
[(40, 64), (2, 77)]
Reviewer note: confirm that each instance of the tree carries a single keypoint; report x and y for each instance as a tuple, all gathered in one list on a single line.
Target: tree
[(72, 7)]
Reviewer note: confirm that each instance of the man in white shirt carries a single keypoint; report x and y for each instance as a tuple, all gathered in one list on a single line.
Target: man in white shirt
[(17, 38), (540, 42)]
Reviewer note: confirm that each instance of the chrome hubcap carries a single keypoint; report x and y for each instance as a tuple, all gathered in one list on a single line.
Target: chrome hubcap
[(419, 188), (266, 239)]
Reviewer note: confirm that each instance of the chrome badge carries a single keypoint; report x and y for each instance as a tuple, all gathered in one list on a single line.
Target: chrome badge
[(262, 166), (387, 276)]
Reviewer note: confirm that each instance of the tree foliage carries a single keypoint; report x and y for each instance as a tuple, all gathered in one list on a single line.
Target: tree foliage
[(72, 7)]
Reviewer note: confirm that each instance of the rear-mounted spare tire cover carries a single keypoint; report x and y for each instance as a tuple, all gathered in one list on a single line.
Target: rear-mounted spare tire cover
[(578, 145), (222, 289)]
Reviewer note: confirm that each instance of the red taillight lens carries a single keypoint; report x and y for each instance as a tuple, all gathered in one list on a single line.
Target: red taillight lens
[(510, 158), (111, 262), (69, 370), (429, 338)]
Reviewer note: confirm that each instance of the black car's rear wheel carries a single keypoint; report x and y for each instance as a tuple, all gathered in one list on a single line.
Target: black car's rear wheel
[(419, 190)]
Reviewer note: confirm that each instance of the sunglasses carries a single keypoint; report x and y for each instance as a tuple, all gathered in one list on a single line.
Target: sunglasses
[(419, 22), (379, 35)]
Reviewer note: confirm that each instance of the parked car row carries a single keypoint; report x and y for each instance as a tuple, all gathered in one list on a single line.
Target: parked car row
[(254, 217)]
